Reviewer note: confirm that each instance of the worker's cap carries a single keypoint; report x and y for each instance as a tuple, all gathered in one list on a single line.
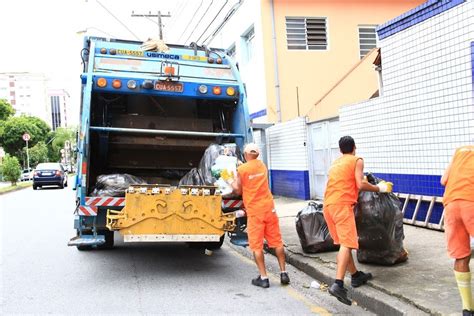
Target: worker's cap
[(251, 148)]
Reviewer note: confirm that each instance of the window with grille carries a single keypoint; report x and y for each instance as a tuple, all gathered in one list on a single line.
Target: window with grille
[(367, 39), (306, 33)]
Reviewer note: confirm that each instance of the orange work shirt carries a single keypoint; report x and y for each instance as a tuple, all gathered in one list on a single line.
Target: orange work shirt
[(460, 184), (341, 187), (256, 193)]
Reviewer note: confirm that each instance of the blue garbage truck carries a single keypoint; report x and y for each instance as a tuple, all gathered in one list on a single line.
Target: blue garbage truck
[(152, 114)]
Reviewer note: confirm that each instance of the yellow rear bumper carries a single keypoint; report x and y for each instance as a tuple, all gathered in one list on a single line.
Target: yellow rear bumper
[(171, 214)]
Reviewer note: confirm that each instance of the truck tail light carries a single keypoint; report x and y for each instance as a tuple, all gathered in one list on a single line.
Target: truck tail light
[(230, 91), (84, 168), (58, 172), (216, 90), (169, 71), (102, 82), (117, 84), (203, 89), (132, 84)]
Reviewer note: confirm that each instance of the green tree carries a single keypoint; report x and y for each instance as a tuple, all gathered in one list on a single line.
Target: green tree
[(38, 153), (13, 130), (11, 169), (60, 136), (6, 110)]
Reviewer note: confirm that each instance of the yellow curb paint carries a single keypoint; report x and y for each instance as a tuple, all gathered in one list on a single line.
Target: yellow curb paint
[(292, 292)]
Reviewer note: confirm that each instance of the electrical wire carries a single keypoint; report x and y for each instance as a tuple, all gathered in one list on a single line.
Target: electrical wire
[(231, 12), (202, 17), (187, 26), (118, 20), (179, 11), (215, 17)]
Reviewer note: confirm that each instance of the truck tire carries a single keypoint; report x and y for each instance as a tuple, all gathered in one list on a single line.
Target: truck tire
[(35, 187), (208, 245), (109, 239)]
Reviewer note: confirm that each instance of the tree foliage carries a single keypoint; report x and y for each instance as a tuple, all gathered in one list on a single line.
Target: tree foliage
[(60, 136), (14, 128), (6, 110), (38, 153), (11, 169)]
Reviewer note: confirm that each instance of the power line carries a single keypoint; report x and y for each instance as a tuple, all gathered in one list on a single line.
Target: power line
[(173, 20), (187, 26), (118, 20), (202, 17), (231, 12), (209, 25)]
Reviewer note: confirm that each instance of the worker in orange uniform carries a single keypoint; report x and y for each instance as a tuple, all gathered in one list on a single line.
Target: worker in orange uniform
[(251, 182), (458, 203), (346, 178)]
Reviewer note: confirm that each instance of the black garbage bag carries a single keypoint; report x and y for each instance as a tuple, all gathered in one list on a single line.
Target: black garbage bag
[(202, 175), (114, 184), (193, 177), (379, 221), (313, 230)]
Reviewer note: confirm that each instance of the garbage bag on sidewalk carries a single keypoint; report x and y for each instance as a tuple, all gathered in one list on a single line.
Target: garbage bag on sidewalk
[(379, 221), (114, 184), (313, 230)]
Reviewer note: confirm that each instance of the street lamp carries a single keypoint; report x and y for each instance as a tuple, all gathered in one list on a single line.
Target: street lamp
[(94, 28)]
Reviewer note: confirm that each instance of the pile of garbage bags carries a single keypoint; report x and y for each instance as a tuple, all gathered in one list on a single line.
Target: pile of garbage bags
[(218, 164), (379, 222), (115, 184), (313, 230)]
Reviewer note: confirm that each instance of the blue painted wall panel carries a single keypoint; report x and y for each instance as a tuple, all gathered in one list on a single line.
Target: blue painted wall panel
[(292, 183)]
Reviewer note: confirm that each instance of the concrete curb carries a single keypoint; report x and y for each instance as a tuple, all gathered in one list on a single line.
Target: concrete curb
[(15, 189), (369, 297)]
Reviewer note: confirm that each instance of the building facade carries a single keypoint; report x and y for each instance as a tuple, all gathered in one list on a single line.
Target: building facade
[(409, 133), (26, 92), (306, 58), (29, 94), (301, 61), (58, 108)]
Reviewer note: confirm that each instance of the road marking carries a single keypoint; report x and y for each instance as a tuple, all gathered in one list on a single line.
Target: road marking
[(292, 292)]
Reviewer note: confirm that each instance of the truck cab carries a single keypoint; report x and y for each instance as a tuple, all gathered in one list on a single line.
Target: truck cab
[(152, 114)]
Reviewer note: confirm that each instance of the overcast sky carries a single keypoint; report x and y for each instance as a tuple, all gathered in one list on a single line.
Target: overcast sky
[(41, 36)]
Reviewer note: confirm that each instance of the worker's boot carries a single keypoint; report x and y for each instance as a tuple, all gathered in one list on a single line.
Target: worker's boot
[(258, 281), (360, 279), (340, 293)]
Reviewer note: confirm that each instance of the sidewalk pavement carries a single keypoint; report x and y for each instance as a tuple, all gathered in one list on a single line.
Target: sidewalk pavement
[(423, 284)]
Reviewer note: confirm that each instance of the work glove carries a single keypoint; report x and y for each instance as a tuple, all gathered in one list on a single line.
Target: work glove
[(385, 187)]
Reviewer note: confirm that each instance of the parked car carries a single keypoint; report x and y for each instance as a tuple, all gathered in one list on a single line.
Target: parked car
[(49, 173), (26, 175)]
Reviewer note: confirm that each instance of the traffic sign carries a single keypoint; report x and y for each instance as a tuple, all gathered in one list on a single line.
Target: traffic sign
[(26, 137)]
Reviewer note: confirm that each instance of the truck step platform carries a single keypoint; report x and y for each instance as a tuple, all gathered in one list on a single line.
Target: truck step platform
[(87, 240)]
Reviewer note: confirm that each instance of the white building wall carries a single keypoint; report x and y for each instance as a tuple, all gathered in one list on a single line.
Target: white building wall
[(409, 133), (29, 94), (288, 158), (251, 69)]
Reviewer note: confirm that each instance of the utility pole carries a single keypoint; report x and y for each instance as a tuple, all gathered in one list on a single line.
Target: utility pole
[(158, 15)]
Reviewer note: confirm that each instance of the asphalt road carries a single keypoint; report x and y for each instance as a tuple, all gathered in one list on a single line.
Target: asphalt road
[(41, 275)]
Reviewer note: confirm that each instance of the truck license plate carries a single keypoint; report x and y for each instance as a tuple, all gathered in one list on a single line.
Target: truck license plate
[(169, 86)]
